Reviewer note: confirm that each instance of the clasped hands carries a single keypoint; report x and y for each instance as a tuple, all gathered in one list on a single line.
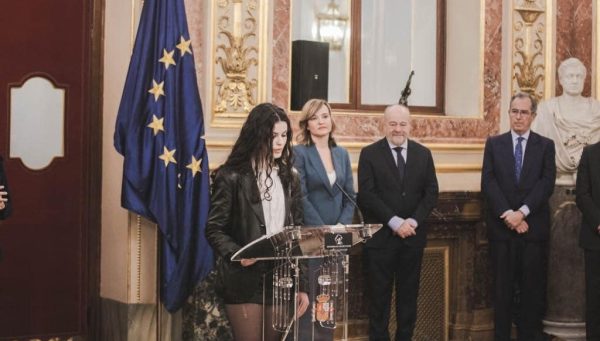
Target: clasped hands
[(407, 229), (515, 220)]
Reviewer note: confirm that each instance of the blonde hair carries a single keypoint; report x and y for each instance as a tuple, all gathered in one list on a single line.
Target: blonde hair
[(309, 109)]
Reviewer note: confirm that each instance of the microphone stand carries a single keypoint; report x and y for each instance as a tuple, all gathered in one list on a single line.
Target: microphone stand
[(360, 215), (346, 262)]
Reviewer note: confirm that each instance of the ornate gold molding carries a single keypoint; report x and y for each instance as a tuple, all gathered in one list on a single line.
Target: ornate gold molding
[(238, 43), (528, 47), (357, 146), (445, 167), (439, 168)]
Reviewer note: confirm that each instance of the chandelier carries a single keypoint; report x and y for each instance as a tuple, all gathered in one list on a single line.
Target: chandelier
[(332, 26)]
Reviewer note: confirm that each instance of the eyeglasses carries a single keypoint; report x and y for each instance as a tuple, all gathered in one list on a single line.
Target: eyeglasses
[(516, 112)]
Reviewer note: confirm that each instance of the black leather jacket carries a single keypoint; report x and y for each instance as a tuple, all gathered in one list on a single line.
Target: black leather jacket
[(235, 219)]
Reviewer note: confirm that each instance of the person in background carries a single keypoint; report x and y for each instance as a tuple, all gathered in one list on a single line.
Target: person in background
[(588, 200), (398, 188), (255, 192), (324, 170), (517, 180), (5, 204)]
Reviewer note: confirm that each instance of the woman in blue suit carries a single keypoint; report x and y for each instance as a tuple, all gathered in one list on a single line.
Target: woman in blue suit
[(323, 168)]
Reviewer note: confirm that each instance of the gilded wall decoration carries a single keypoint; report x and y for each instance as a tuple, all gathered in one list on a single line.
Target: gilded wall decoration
[(530, 47), (237, 82)]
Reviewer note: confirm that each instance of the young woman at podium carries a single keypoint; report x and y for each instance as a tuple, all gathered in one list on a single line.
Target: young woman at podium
[(255, 192)]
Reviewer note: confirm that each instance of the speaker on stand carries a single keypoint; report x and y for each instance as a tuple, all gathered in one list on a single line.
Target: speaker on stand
[(310, 71)]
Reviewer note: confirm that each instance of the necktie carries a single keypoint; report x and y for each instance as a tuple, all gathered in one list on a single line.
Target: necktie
[(400, 162), (518, 157)]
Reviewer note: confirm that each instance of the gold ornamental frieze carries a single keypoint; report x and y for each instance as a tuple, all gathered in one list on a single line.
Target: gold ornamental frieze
[(530, 46), (238, 49)]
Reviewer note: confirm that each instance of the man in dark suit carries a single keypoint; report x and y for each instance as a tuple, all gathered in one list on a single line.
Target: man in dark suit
[(397, 188), (517, 180), (588, 201)]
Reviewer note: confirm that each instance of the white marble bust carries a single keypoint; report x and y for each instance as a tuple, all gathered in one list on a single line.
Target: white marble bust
[(571, 120)]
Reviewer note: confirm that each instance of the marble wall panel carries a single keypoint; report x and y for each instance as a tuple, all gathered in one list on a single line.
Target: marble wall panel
[(574, 23), (195, 11), (281, 53)]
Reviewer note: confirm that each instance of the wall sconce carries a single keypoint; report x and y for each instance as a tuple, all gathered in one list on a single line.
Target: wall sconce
[(332, 26)]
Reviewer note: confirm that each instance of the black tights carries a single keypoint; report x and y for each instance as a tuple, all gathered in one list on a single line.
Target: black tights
[(246, 320)]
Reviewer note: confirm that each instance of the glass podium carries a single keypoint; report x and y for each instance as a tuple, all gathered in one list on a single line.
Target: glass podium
[(327, 277)]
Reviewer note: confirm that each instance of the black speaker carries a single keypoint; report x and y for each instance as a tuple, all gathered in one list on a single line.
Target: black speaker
[(310, 71)]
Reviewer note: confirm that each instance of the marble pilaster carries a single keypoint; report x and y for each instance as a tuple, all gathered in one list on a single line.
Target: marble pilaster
[(574, 23)]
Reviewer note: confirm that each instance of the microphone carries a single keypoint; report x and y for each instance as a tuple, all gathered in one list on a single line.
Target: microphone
[(360, 215)]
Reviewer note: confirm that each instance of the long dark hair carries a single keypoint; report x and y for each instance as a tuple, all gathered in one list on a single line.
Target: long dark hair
[(253, 150)]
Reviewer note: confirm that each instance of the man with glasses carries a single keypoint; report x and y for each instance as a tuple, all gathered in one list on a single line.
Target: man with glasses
[(517, 180)]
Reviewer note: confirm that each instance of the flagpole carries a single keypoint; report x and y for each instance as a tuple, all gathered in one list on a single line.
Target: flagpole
[(158, 280), (138, 261)]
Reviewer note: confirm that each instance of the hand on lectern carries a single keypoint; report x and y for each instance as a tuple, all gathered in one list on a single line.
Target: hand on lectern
[(302, 303), (247, 262)]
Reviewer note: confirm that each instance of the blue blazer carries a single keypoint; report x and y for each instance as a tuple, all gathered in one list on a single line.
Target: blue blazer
[(324, 204)]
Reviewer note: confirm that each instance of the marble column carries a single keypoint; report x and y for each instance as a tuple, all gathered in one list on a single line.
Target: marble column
[(565, 312)]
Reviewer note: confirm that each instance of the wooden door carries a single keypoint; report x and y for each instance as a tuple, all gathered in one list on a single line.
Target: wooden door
[(49, 265)]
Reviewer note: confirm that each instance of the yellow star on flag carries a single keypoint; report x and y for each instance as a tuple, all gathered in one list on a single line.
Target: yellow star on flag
[(157, 89), (195, 166), (156, 124), (167, 58), (184, 46), (167, 156)]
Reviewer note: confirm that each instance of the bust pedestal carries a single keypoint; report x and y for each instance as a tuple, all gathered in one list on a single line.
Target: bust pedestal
[(565, 313)]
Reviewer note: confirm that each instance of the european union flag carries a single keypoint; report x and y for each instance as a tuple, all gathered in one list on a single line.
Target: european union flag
[(160, 132)]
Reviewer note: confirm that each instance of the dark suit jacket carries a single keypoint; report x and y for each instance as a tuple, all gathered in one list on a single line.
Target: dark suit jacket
[(235, 219), (588, 196), (498, 184), (8, 208), (381, 195), (324, 204)]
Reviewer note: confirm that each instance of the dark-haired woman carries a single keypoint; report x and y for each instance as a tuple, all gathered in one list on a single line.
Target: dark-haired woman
[(324, 170), (255, 192)]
